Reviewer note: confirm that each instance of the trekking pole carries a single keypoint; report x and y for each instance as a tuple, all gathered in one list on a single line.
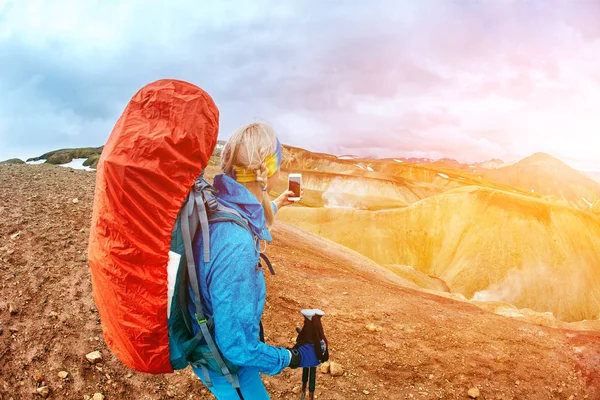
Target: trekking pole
[(304, 383), (312, 382), (321, 348), (312, 333), (304, 374)]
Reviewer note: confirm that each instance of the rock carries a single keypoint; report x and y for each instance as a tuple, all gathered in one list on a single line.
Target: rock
[(296, 389), (43, 391), (170, 394), (94, 357), (366, 392), (431, 376), (53, 314), (325, 367), (473, 393), (98, 396), (373, 328), (12, 310), (129, 375), (335, 369), (38, 377), (571, 397), (1, 331), (75, 200), (63, 374), (15, 235), (13, 330)]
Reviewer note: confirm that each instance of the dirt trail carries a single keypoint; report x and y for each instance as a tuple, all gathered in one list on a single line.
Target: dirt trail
[(424, 346)]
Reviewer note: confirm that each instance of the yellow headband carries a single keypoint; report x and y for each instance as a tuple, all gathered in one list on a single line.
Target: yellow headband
[(244, 175)]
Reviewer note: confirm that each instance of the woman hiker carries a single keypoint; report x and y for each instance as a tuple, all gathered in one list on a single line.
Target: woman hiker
[(232, 287)]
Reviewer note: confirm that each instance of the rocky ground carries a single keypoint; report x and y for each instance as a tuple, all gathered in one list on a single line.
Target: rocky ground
[(392, 342)]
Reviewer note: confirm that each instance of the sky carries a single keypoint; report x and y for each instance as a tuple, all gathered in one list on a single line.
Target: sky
[(470, 80)]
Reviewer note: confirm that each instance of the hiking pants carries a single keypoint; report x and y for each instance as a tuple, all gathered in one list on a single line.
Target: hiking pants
[(251, 385)]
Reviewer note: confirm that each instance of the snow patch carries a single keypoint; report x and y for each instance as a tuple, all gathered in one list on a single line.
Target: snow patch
[(400, 161), (360, 166), (443, 175), (369, 169), (36, 162), (77, 163)]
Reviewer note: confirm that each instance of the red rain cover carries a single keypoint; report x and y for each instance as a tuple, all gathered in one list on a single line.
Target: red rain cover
[(158, 147)]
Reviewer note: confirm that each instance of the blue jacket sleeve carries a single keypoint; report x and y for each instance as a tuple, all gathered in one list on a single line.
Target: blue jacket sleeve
[(274, 207), (235, 293)]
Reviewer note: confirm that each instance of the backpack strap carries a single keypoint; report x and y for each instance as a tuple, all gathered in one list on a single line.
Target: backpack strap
[(211, 211), (205, 373), (261, 331), (268, 262), (203, 218), (200, 187), (222, 213)]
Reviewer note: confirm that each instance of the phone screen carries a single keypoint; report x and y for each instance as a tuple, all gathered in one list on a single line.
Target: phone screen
[(294, 183)]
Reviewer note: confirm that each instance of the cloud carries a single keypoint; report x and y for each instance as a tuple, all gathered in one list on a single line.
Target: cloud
[(465, 79)]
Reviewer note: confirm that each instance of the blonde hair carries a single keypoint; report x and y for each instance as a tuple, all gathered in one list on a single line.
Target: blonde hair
[(248, 148)]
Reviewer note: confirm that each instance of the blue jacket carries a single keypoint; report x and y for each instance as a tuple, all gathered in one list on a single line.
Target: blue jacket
[(233, 287)]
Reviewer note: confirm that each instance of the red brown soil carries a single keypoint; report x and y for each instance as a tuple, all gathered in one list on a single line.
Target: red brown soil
[(428, 347)]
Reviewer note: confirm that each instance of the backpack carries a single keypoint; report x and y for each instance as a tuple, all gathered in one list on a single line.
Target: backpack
[(149, 201)]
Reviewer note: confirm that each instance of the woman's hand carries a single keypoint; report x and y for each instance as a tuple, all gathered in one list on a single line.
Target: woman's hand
[(284, 198)]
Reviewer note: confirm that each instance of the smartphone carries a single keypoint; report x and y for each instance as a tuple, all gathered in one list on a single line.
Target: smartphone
[(295, 184)]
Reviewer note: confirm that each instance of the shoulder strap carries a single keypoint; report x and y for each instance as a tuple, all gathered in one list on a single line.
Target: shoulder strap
[(211, 211), (221, 213)]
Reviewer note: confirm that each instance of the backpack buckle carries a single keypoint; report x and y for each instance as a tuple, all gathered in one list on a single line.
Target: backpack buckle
[(200, 184), (200, 321), (211, 202)]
